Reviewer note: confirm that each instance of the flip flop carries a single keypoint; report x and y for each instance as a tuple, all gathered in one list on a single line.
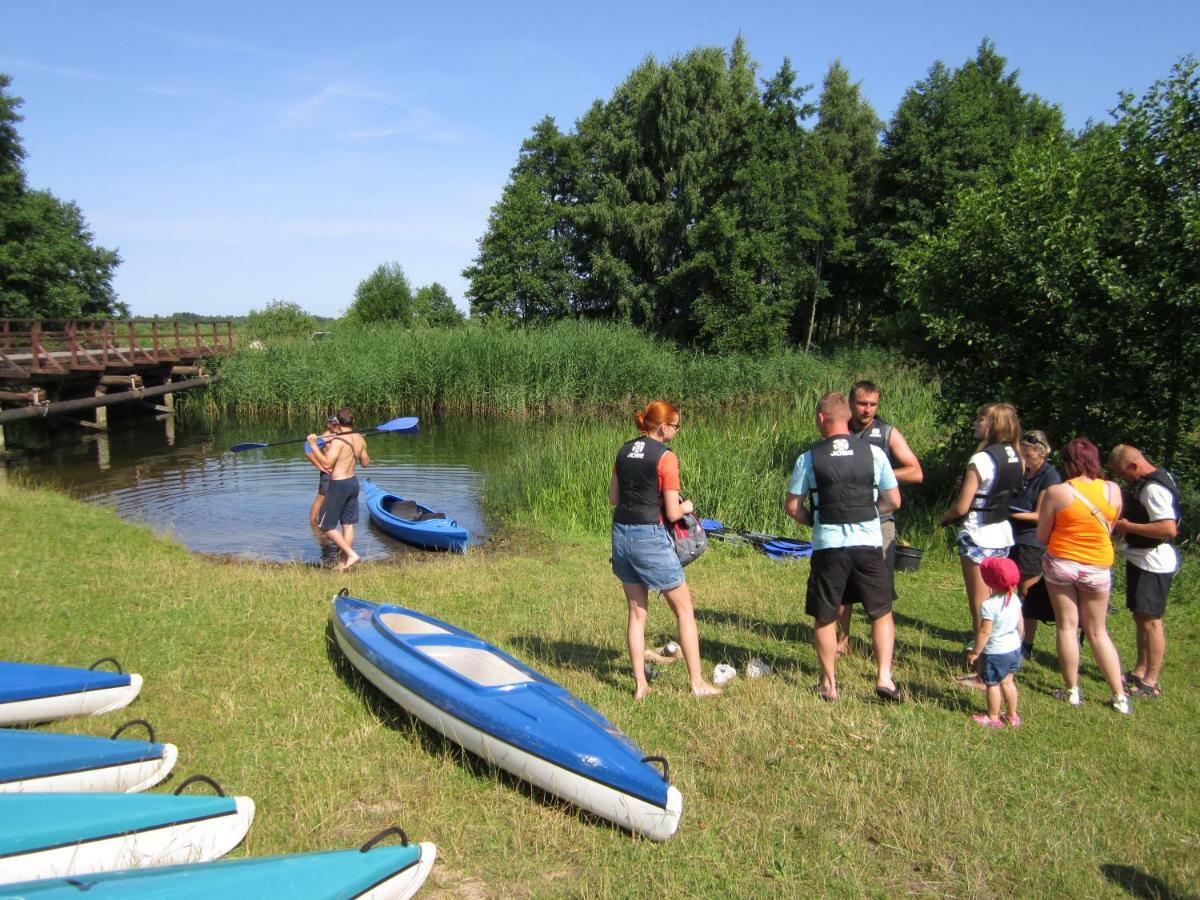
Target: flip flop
[(888, 695), (1145, 690), (820, 692)]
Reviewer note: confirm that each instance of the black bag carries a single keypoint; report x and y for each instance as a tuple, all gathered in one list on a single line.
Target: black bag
[(688, 538)]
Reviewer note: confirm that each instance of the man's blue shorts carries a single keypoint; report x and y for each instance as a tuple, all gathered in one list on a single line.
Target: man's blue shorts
[(340, 506), (642, 554)]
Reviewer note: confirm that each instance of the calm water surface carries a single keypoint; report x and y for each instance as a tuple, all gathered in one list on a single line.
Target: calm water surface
[(180, 479)]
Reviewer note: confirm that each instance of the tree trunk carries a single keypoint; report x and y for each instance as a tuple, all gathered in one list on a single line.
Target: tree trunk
[(812, 315)]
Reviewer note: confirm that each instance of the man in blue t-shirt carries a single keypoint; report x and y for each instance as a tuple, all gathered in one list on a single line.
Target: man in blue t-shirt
[(839, 487)]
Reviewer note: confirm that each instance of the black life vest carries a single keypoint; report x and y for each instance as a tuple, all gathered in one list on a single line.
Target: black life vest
[(992, 505), (1135, 510), (844, 470), (639, 501), (879, 433)]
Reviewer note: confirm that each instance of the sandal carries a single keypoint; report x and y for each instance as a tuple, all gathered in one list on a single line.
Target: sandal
[(1146, 690), (888, 695), (1131, 680)]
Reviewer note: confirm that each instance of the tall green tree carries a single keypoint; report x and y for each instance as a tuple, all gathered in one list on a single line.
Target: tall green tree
[(1070, 283), (952, 130), (279, 318), (845, 167), (383, 296), (432, 306), (50, 266)]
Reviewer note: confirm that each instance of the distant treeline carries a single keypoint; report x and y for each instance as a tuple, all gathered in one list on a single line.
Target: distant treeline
[(1057, 270)]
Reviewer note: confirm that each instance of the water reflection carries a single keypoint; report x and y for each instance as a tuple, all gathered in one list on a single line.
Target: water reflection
[(183, 482)]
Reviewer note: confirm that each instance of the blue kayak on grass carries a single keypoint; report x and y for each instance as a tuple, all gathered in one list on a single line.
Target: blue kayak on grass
[(32, 692), (383, 871), (411, 522), (39, 761), (503, 711)]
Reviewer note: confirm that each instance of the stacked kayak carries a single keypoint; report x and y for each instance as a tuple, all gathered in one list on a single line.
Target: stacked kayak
[(33, 761), (380, 872), (31, 692), (503, 711), (411, 522), (61, 835)]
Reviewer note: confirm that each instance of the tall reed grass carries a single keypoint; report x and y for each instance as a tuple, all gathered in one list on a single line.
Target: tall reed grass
[(569, 367)]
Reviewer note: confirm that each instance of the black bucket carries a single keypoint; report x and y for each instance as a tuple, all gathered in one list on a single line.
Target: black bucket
[(908, 559)]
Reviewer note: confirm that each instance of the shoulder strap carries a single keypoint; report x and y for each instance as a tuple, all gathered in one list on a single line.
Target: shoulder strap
[(1091, 507), (350, 444)]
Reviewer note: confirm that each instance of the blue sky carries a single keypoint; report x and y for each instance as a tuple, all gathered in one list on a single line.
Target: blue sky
[(236, 153)]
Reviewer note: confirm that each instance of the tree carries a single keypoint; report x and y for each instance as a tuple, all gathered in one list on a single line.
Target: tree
[(383, 296), (1070, 283), (951, 131), (279, 318), (433, 306), (50, 266)]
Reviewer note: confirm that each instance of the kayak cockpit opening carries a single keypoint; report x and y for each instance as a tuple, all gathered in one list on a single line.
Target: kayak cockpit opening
[(483, 667), (402, 623)]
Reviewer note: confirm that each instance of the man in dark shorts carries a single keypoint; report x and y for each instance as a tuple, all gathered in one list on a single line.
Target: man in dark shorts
[(867, 425), (848, 483), (340, 455), (1149, 522)]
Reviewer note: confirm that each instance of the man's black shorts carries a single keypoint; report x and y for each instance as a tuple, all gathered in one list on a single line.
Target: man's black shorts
[(1028, 558), (858, 572), (341, 504), (1146, 592)]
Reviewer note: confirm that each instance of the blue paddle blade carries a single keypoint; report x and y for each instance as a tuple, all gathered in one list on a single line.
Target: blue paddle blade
[(782, 548), (248, 445), (405, 425), (712, 524)]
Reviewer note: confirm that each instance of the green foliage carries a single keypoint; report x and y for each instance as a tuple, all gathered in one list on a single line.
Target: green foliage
[(1068, 283), (432, 306), (50, 266), (279, 318), (383, 296)]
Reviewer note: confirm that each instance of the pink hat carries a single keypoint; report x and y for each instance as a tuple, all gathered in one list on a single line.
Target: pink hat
[(1000, 573)]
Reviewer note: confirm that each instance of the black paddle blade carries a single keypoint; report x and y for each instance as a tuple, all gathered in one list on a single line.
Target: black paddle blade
[(249, 445)]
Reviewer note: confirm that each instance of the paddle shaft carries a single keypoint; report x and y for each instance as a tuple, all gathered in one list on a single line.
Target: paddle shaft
[(406, 426)]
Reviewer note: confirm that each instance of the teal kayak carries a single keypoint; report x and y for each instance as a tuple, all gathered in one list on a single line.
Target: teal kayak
[(60, 835), (391, 872), (41, 761)]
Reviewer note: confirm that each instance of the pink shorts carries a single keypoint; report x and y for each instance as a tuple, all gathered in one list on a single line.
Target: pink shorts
[(1066, 571)]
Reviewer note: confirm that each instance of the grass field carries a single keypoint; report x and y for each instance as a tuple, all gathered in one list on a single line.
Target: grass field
[(784, 795)]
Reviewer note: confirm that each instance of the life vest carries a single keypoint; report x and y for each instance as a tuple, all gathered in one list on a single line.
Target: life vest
[(1135, 511), (879, 433), (844, 470), (639, 501), (992, 505)]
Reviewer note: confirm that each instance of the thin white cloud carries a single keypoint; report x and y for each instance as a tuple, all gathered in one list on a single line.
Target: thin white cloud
[(218, 43), (158, 88), (340, 101)]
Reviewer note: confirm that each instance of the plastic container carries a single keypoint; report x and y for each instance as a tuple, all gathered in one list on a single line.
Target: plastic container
[(908, 559)]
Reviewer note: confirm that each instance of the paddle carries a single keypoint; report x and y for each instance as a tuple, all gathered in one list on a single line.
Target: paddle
[(406, 425), (772, 545)]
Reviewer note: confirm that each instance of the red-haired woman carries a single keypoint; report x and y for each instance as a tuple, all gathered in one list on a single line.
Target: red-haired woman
[(644, 487), (1075, 523)]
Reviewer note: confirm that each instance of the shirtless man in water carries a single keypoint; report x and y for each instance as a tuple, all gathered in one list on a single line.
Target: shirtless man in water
[(340, 454)]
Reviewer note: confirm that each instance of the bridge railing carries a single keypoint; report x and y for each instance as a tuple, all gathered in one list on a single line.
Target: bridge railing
[(48, 347)]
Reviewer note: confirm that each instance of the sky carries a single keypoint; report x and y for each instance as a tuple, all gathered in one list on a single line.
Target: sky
[(237, 153)]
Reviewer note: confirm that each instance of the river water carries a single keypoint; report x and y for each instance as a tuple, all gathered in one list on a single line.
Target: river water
[(179, 478)]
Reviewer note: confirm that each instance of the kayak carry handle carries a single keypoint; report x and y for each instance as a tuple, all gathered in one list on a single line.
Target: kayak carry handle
[(204, 778), (344, 592), (81, 885), (666, 768), (104, 660), (149, 728), (379, 837)]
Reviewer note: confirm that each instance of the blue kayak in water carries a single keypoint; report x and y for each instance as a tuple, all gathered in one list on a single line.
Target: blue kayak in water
[(31, 692), (411, 522), (380, 872), (63, 835), (503, 711), (34, 761)]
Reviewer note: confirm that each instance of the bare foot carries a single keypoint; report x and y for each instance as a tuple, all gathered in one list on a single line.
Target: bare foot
[(706, 690), (350, 560), (640, 693)]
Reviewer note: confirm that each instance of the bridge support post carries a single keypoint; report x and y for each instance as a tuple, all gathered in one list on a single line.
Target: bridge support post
[(3, 446), (101, 411)]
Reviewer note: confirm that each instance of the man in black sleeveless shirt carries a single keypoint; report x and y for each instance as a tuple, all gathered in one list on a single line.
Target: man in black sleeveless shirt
[(867, 425)]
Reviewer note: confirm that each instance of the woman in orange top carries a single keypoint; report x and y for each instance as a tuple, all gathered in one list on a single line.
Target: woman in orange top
[(1074, 523)]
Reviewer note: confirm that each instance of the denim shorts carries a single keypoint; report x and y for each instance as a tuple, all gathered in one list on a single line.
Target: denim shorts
[(975, 553), (997, 665), (642, 554)]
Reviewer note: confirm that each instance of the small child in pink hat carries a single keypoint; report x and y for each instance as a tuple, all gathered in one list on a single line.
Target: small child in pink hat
[(1000, 631)]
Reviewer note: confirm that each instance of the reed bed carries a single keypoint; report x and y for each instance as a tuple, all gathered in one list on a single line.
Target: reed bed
[(569, 367)]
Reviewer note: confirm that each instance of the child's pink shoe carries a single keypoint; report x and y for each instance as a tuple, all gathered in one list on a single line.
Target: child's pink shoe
[(982, 719), (1013, 721)]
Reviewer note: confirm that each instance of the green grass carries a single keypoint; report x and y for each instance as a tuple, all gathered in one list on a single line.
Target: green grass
[(569, 367), (784, 795)]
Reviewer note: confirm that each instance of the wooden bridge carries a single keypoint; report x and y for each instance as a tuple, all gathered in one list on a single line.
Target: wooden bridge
[(66, 367)]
